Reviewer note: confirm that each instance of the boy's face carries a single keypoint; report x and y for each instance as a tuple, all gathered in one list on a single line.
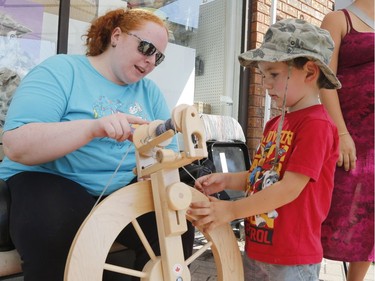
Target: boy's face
[(275, 80)]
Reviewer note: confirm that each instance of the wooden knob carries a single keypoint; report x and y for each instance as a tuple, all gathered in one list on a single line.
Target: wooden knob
[(179, 196)]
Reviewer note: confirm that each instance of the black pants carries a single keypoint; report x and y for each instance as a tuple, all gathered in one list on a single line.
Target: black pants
[(46, 212)]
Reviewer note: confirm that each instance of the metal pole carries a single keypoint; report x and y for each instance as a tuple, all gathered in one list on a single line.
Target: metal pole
[(63, 27)]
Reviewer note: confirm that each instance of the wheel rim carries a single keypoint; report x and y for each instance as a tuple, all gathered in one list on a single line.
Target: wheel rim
[(90, 248)]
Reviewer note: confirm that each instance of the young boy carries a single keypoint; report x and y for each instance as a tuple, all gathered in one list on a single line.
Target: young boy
[(290, 182)]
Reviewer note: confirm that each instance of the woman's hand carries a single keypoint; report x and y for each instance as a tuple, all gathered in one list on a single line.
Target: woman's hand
[(116, 126), (347, 156)]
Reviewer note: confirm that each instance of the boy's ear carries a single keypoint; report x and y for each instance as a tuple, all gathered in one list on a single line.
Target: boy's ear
[(312, 71)]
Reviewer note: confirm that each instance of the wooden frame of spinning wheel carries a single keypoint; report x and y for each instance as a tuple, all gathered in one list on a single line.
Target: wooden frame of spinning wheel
[(160, 191)]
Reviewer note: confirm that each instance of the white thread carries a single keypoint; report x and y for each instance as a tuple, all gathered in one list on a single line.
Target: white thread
[(189, 173), (113, 175)]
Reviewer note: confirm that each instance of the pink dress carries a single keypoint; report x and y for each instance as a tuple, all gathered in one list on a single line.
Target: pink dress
[(348, 232)]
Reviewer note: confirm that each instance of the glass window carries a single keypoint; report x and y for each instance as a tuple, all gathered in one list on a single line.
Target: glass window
[(28, 33), (82, 13), (201, 63)]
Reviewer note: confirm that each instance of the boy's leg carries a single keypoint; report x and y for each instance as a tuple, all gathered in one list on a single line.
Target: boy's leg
[(46, 212), (255, 271)]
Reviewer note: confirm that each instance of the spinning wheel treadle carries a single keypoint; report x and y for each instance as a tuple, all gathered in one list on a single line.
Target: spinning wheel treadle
[(169, 198)]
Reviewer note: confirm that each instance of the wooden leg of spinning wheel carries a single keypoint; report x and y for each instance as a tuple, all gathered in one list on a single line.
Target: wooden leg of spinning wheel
[(224, 247), (171, 224)]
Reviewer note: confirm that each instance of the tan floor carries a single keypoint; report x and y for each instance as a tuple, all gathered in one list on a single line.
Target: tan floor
[(204, 268)]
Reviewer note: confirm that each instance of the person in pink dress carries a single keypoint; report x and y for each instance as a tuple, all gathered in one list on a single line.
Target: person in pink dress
[(348, 231)]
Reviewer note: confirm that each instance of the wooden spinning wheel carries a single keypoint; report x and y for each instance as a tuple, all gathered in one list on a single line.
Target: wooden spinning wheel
[(169, 198)]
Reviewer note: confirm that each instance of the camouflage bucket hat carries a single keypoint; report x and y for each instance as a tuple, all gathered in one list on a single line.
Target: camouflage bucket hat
[(292, 38)]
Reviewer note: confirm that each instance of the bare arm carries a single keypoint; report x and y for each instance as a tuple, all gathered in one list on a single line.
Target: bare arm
[(217, 182), (335, 23), (37, 143), (217, 212)]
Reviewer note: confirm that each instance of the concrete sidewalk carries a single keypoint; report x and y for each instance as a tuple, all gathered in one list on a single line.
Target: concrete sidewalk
[(334, 271)]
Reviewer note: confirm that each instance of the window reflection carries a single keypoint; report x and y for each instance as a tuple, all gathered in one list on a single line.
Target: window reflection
[(26, 34), (182, 16), (201, 58)]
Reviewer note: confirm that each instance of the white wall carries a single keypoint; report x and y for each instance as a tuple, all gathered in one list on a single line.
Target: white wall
[(217, 42), (176, 75), (340, 4)]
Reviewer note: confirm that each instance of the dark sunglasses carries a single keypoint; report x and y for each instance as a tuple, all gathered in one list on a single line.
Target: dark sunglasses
[(148, 49)]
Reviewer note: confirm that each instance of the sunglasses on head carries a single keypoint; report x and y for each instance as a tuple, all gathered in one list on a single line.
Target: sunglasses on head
[(148, 49)]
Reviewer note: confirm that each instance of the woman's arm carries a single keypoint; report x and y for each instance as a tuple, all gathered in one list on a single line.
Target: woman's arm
[(335, 23), (37, 143)]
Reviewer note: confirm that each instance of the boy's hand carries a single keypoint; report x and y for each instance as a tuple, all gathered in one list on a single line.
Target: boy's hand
[(211, 183), (211, 214)]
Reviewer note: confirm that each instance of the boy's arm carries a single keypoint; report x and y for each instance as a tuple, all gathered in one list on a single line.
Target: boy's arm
[(217, 212), (217, 182), (272, 197), (238, 181)]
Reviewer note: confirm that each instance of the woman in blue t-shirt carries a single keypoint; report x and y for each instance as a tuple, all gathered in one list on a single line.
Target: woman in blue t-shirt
[(66, 130)]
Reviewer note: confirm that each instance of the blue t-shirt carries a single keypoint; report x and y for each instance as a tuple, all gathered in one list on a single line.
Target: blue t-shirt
[(65, 88)]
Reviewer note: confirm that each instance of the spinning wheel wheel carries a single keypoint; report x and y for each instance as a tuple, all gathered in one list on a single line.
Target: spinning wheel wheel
[(168, 197), (94, 240)]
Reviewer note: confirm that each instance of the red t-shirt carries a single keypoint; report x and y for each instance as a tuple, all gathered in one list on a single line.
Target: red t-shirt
[(290, 235)]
